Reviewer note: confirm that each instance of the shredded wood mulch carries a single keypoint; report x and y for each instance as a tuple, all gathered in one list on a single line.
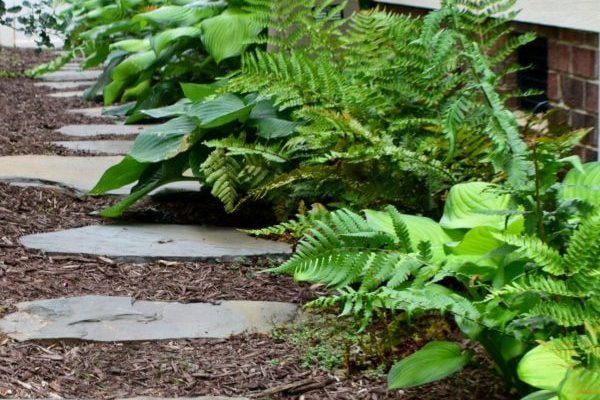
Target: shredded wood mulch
[(28, 117), (257, 366)]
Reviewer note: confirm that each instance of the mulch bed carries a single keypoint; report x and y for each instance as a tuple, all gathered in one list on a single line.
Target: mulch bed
[(257, 365), (29, 118)]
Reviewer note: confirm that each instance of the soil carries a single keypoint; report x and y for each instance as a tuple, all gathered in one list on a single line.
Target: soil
[(28, 117), (262, 366)]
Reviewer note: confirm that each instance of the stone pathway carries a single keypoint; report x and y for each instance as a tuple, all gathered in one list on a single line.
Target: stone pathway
[(68, 76), (145, 242), (93, 112), (65, 85), (98, 129), (64, 95), (111, 147), (122, 319), (77, 173)]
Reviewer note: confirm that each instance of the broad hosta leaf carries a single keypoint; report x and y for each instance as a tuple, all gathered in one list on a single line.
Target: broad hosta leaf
[(474, 204), (583, 186), (133, 65), (481, 240), (136, 91), (164, 141), (153, 177), (177, 109), (544, 367), (131, 45), (113, 91), (581, 384), (127, 171), (420, 229), (164, 39), (435, 361), (228, 34), (199, 91), (273, 128), (177, 15), (541, 395), (221, 111)]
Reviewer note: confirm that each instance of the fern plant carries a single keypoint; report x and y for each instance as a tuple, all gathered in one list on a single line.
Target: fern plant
[(338, 109)]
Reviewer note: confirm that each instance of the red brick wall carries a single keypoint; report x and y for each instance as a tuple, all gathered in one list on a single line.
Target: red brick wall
[(573, 82)]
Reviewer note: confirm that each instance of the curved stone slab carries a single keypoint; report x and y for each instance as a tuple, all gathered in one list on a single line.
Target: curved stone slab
[(100, 129), (68, 76), (112, 147), (94, 112), (65, 85), (145, 242), (121, 319), (64, 95), (76, 173)]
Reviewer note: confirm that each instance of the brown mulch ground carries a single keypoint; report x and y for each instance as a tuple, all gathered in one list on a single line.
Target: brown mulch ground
[(257, 365), (29, 118)]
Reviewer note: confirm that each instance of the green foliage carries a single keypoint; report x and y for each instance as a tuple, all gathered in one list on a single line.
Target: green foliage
[(331, 111), (516, 288), (146, 47), (435, 361)]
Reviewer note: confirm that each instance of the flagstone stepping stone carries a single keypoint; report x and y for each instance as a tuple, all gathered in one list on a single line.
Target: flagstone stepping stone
[(63, 95), (112, 147), (63, 76), (77, 173), (121, 319), (65, 85), (100, 129), (93, 112), (146, 242)]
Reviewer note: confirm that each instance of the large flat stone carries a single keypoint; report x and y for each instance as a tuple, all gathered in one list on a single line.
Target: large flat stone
[(67, 76), (120, 319), (100, 129), (112, 147), (65, 85), (145, 242), (64, 95), (77, 173), (93, 112)]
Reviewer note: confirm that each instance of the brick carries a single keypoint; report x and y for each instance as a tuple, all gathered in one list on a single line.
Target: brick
[(591, 154), (559, 56), (553, 86), (579, 37), (572, 36), (585, 62), (573, 92), (591, 98), (580, 120), (547, 32)]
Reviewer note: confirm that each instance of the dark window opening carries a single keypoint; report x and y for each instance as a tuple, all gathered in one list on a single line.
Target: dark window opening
[(534, 55)]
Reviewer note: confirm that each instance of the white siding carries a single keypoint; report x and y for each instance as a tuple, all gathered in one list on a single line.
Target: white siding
[(574, 14)]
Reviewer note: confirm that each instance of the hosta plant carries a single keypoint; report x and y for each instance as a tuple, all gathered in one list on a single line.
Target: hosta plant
[(147, 47)]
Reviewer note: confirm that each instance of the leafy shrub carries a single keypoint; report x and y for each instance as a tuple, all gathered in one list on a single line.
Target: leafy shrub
[(148, 47), (332, 111)]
